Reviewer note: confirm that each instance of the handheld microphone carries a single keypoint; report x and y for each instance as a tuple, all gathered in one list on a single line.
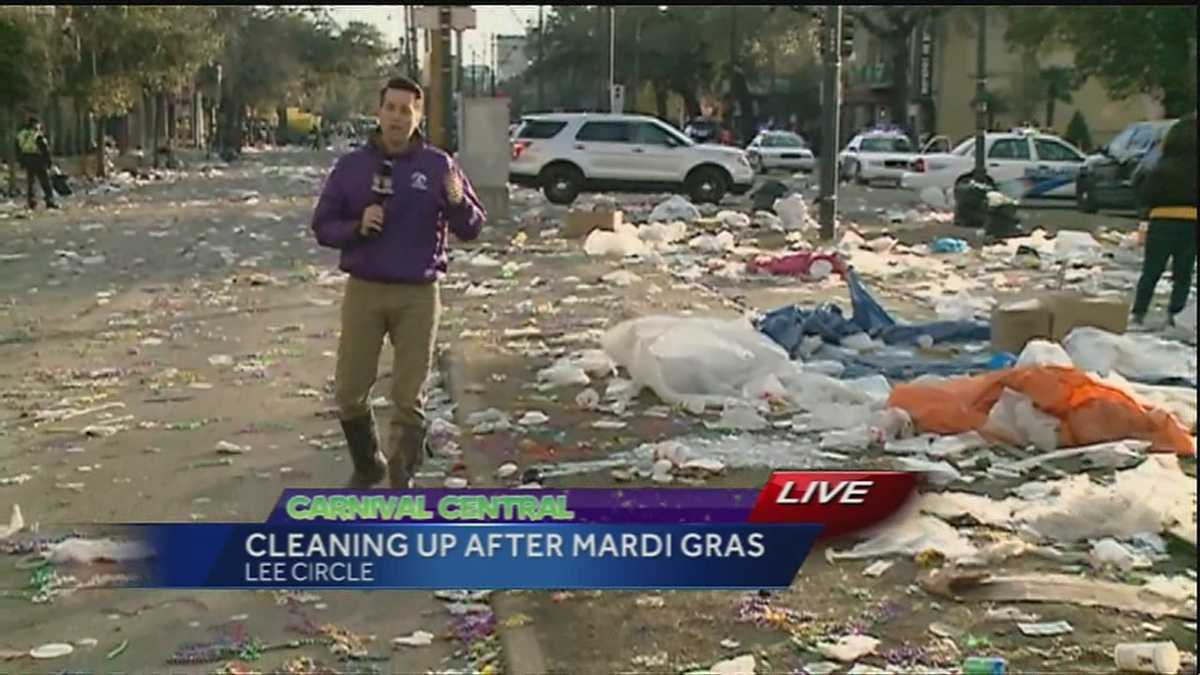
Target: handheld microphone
[(381, 185)]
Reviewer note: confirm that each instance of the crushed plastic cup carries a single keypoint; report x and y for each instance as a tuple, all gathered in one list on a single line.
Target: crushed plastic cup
[(1147, 657), (984, 665), (820, 269), (587, 399)]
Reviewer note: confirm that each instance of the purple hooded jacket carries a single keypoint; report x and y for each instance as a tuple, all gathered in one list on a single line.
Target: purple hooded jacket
[(412, 246)]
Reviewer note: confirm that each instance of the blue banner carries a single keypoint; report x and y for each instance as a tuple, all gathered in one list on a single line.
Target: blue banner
[(475, 556)]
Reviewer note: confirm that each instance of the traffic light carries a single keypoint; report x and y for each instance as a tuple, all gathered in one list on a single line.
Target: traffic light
[(848, 30)]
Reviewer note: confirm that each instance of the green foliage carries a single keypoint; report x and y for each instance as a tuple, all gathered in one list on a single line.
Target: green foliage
[(1059, 84), (1078, 133), (689, 51), (14, 83), (1131, 49)]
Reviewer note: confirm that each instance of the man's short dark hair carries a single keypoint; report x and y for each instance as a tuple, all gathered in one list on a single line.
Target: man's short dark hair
[(403, 84)]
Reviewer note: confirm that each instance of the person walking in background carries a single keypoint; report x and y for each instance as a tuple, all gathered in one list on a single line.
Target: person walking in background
[(33, 154), (1169, 190), (387, 207)]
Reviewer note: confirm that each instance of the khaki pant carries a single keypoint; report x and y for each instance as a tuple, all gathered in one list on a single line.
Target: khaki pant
[(408, 315)]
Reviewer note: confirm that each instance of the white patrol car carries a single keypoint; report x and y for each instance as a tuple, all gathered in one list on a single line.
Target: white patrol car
[(876, 155), (780, 150), (567, 153), (1027, 161)]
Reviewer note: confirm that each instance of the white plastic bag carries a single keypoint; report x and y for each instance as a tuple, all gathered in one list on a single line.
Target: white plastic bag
[(623, 241), (708, 243), (562, 374), (793, 213), (733, 219), (937, 198), (675, 208), (663, 233), (962, 307)]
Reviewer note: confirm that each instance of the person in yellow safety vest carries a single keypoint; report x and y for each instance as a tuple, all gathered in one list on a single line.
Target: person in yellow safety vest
[(33, 154)]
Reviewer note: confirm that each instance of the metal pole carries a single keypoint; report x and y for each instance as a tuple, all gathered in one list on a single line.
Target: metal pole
[(414, 63), (612, 54), (541, 76), (829, 124), (981, 96), (458, 62), (447, 77)]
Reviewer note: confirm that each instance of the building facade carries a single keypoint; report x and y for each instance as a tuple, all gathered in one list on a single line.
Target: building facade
[(942, 78), (512, 56)]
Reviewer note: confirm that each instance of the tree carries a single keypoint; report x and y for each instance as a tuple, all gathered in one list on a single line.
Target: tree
[(1131, 49), (894, 26), (14, 86), (689, 51), (1059, 84), (1078, 133)]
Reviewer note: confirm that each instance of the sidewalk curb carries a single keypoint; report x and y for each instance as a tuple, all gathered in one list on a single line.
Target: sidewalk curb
[(521, 652)]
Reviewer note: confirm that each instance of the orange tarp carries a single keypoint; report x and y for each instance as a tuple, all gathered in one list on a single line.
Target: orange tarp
[(1089, 412)]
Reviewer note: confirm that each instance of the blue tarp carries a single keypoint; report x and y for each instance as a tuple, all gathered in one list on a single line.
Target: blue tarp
[(789, 325)]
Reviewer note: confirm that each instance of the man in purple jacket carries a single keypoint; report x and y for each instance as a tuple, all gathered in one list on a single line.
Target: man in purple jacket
[(387, 207)]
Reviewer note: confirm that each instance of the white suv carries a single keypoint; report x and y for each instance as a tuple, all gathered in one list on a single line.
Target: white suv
[(567, 153)]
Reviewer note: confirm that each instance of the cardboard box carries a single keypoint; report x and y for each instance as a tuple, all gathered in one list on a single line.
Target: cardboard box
[(580, 223), (1074, 310), (1054, 316), (1015, 324)]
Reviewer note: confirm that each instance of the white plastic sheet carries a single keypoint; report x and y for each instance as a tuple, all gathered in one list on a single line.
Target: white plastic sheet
[(909, 535), (1187, 318), (1015, 419), (1154, 497), (695, 362), (1044, 353), (1079, 247), (1135, 356)]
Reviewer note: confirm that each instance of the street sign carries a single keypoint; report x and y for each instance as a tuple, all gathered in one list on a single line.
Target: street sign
[(461, 18)]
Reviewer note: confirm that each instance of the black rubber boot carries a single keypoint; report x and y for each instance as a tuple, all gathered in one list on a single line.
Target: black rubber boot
[(370, 465), (408, 451)]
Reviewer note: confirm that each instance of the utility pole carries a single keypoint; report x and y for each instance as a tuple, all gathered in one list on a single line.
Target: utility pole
[(612, 55), (541, 76), (495, 61), (981, 96), (458, 62), (733, 65), (414, 55), (447, 77), (827, 212)]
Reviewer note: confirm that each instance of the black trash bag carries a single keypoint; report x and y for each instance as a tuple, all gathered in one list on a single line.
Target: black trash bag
[(764, 197), (60, 182), (1003, 222), (971, 204)]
